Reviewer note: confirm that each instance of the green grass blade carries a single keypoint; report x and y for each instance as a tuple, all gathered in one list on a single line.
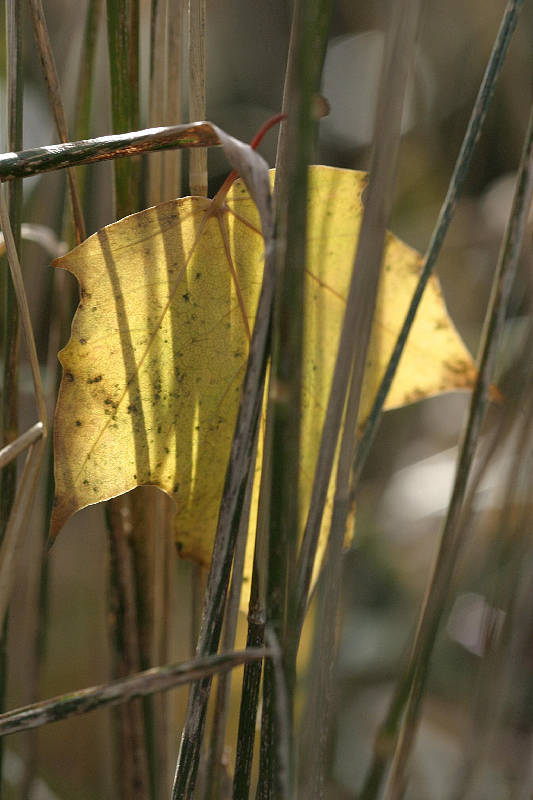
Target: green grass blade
[(123, 46), (308, 37)]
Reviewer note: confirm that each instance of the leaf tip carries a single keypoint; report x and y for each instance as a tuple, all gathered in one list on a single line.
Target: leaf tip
[(61, 512)]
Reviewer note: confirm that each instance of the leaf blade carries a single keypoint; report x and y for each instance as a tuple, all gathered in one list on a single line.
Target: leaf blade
[(165, 329)]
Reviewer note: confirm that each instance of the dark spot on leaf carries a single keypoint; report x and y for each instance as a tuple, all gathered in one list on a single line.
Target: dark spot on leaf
[(95, 489), (167, 450), (78, 423), (175, 488), (96, 379), (85, 482), (198, 275), (186, 297), (83, 341), (132, 408), (159, 428), (69, 377)]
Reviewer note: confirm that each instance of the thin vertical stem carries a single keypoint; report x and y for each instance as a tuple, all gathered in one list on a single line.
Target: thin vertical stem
[(397, 63), (156, 105), (163, 560), (451, 540), (14, 534), (197, 80), (134, 779), (130, 576), (60, 307), (390, 724), (240, 463), (214, 776), (11, 328), (457, 181), (249, 696), (123, 45), (166, 93), (308, 33), (172, 160), (163, 180), (505, 650), (54, 94), (84, 91), (256, 633), (11, 332), (227, 529)]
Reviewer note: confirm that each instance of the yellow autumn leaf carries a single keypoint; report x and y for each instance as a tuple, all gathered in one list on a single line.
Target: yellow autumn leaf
[(153, 369)]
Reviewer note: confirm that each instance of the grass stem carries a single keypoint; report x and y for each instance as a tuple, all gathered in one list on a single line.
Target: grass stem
[(157, 679), (451, 540), (59, 156), (239, 466), (396, 69), (197, 82), (54, 94), (457, 182)]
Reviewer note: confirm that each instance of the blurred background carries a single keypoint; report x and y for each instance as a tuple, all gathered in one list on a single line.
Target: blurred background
[(409, 475)]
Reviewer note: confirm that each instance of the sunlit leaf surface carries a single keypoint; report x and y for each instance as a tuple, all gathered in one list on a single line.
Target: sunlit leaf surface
[(153, 369)]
